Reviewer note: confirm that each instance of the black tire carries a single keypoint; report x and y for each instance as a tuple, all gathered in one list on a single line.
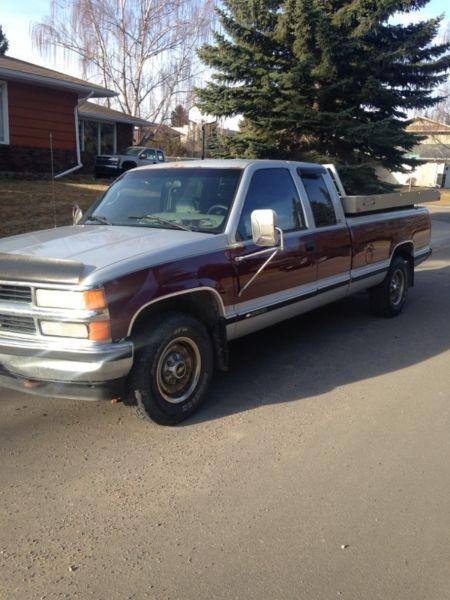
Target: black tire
[(176, 343), (388, 298), (128, 165)]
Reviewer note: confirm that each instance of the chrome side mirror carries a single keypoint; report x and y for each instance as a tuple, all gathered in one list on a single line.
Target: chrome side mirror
[(77, 214), (264, 227)]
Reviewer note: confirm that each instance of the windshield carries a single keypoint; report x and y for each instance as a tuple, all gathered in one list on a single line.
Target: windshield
[(134, 150), (197, 199)]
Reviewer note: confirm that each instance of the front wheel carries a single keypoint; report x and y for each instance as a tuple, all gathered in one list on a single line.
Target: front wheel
[(173, 368), (388, 298)]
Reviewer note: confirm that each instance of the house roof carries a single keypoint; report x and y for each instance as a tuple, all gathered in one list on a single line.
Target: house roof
[(13, 68), (425, 125), (430, 152), (103, 113), (165, 130)]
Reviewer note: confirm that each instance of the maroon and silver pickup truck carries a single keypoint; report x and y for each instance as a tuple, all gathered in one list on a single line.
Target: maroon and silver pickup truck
[(140, 298)]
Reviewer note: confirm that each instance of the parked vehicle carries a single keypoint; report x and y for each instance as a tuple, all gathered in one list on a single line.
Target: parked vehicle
[(141, 297), (112, 165)]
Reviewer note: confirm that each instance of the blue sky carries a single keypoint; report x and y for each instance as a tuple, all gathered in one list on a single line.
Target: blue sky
[(17, 17)]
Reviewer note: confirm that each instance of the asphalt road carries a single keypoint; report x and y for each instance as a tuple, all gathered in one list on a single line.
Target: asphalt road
[(318, 469)]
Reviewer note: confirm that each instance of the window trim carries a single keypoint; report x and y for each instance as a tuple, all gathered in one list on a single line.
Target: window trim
[(5, 115), (303, 223)]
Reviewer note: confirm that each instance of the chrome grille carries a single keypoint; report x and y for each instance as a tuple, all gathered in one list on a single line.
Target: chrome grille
[(15, 293), (17, 324)]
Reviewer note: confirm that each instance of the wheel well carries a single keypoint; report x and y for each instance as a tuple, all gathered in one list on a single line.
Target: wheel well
[(128, 164), (406, 251), (202, 305)]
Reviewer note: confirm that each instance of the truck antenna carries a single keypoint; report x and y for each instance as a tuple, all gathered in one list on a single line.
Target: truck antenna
[(53, 180)]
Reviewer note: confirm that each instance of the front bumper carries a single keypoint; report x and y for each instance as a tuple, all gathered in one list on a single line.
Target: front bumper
[(41, 368), (107, 170)]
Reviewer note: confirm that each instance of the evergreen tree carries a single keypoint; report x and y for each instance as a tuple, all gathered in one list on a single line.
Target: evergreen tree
[(179, 116), (325, 80), (3, 42)]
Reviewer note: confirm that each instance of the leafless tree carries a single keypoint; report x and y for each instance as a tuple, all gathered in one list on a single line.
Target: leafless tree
[(145, 50)]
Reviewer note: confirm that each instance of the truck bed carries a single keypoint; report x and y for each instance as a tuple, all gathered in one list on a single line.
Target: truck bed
[(364, 204)]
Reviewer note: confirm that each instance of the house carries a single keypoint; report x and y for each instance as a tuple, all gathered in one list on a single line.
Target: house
[(161, 136), (103, 130), (198, 138), (44, 112), (432, 153)]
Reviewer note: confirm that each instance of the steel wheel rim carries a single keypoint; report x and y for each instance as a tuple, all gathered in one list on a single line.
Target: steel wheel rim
[(178, 370), (397, 287)]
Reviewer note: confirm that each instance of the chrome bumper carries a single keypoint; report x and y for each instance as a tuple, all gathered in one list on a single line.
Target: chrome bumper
[(40, 361)]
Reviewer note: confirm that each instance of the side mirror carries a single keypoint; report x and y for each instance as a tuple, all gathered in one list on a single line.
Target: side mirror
[(264, 227), (77, 214), (143, 155)]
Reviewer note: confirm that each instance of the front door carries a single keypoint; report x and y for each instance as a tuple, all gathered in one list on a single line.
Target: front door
[(291, 273)]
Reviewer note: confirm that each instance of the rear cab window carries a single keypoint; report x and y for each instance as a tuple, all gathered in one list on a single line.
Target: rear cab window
[(272, 188), (319, 197)]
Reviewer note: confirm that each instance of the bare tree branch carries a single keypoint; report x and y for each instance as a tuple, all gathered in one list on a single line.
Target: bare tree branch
[(145, 50)]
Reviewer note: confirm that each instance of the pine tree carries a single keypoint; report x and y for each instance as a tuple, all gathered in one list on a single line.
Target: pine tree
[(3, 42), (179, 116), (324, 80)]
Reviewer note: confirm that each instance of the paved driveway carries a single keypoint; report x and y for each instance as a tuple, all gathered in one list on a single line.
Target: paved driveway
[(319, 469)]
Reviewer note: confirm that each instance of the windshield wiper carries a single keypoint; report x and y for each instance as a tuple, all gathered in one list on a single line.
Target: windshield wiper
[(161, 221), (99, 219)]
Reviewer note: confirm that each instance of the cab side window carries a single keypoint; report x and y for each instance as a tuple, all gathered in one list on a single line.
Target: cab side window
[(160, 156), (275, 189), (319, 197), (149, 155)]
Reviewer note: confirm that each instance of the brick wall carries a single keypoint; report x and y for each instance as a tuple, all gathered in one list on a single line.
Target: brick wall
[(25, 159)]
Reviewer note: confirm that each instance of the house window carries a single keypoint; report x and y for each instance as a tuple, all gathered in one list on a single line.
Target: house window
[(107, 137), (97, 137), (4, 120)]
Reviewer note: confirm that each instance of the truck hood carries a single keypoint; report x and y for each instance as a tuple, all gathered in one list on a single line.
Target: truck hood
[(109, 251)]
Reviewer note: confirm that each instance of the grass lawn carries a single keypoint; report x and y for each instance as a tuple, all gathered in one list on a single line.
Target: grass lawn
[(28, 205), (445, 197)]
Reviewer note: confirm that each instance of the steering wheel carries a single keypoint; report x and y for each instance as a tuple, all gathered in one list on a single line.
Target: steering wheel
[(217, 209)]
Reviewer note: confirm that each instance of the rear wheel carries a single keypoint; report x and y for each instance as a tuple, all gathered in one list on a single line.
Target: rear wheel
[(173, 369), (388, 298)]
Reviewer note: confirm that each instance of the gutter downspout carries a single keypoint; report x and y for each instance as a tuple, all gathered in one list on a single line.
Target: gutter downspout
[(77, 141)]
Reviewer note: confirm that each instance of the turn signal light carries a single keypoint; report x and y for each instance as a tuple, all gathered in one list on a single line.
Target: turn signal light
[(95, 299), (100, 331)]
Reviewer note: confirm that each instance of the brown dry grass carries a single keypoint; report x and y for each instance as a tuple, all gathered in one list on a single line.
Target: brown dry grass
[(28, 205), (445, 197)]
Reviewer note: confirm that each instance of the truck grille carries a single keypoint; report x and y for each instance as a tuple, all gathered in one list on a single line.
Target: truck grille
[(104, 160), (17, 324), (15, 293)]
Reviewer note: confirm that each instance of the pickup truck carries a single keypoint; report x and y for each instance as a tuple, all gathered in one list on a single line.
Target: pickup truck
[(139, 299), (112, 165)]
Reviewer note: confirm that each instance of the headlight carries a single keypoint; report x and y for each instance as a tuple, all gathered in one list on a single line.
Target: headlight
[(88, 300), (97, 331)]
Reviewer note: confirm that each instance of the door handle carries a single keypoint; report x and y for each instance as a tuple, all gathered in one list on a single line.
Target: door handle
[(310, 247)]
